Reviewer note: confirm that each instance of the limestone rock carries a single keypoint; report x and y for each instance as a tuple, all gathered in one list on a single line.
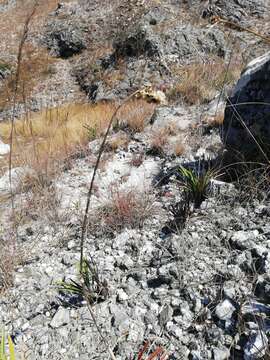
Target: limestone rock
[(246, 127)]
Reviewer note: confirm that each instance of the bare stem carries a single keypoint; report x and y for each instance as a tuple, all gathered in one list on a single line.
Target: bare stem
[(85, 221)]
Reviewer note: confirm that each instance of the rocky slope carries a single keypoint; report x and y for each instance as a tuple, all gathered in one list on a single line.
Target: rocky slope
[(191, 281)]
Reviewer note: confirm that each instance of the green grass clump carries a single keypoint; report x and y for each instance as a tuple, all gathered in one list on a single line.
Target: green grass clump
[(196, 184), (88, 285), (4, 67)]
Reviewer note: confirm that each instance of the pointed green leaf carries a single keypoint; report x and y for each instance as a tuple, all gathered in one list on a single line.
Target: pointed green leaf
[(11, 349)]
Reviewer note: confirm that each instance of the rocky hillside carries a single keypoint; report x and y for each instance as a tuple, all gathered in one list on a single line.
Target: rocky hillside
[(161, 109)]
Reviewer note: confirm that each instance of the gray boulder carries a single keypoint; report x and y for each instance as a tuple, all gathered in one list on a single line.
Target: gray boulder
[(246, 127)]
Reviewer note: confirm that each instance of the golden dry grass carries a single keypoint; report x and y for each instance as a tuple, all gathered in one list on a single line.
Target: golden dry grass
[(214, 121), (47, 138), (178, 148), (159, 140), (198, 83)]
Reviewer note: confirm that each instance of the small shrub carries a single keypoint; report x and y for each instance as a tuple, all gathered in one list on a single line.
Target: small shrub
[(181, 212), (91, 132), (150, 352), (5, 67)]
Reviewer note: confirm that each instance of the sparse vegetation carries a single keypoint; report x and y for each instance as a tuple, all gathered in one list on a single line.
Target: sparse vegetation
[(124, 209), (90, 286), (198, 83), (153, 283), (36, 64)]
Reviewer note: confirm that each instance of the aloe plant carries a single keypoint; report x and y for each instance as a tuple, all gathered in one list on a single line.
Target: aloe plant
[(88, 284), (196, 185)]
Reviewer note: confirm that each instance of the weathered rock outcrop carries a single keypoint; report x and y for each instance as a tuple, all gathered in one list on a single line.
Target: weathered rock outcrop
[(246, 127), (180, 41), (235, 10), (148, 55), (66, 31)]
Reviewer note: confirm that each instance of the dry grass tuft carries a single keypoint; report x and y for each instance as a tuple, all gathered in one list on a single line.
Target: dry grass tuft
[(124, 209), (7, 266), (10, 258), (158, 141), (214, 121), (198, 83), (135, 118), (178, 148), (41, 200), (119, 140)]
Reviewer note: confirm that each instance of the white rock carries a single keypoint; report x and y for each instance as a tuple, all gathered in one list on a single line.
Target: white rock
[(4, 148), (121, 295), (60, 318), (221, 353), (225, 310)]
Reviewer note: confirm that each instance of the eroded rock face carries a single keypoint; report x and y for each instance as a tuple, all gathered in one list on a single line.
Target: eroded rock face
[(235, 10), (150, 53), (65, 33), (247, 114), (180, 41)]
